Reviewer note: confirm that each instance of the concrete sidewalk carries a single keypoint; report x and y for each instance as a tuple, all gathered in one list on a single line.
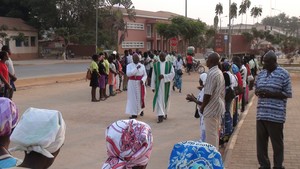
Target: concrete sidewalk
[(241, 150)]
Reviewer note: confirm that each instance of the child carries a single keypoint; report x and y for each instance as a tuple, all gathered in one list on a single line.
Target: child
[(198, 101)]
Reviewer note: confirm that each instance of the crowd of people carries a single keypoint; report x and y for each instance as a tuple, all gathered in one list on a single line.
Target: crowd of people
[(223, 96)]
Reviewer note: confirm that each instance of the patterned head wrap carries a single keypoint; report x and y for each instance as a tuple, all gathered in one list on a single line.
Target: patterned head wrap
[(235, 69), (225, 66), (128, 143), (194, 154), (39, 130), (9, 116)]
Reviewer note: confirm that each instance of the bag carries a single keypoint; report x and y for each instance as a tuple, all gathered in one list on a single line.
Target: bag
[(196, 113), (250, 78), (238, 90), (88, 75), (229, 94), (179, 72)]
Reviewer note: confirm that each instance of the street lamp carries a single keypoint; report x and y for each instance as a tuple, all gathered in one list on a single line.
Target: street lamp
[(276, 10), (221, 22)]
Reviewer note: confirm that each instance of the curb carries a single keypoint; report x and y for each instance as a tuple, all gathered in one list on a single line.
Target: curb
[(25, 83), (231, 143)]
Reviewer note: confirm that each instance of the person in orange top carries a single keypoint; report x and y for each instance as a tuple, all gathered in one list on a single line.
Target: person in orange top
[(4, 75)]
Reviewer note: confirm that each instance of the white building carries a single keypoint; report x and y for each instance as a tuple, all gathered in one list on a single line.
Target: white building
[(24, 48)]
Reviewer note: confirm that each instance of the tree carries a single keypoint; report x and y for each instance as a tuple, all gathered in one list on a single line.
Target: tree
[(3, 35), (256, 12), (233, 11), (245, 5), (219, 12), (216, 20)]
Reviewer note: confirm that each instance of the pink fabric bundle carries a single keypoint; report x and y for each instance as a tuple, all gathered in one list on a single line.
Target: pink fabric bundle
[(129, 144), (8, 116)]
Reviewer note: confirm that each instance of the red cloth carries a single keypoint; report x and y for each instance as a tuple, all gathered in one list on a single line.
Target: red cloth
[(189, 59), (240, 82), (4, 71), (142, 88)]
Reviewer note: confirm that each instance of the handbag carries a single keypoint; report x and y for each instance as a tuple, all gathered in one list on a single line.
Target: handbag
[(88, 74), (229, 94), (179, 72), (196, 113)]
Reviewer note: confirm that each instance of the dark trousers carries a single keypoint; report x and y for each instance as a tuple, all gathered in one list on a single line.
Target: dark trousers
[(264, 130), (243, 100)]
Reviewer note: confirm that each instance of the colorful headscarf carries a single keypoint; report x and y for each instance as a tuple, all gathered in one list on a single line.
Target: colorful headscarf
[(226, 66), (195, 154), (128, 143), (235, 69), (39, 130), (9, 116)]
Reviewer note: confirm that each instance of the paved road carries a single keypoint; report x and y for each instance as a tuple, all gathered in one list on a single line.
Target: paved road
[(86, 121), (40, 70)]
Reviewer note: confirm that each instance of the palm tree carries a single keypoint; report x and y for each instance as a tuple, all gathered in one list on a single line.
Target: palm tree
[(216, 20), (233, 11), (256, 12), (218, 11), (245, 5)]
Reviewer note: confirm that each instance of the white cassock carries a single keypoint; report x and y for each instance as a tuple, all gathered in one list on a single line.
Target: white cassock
[(134, 92), (160, 107)]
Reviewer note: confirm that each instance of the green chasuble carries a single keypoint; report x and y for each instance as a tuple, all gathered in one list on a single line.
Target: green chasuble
[(156, 67)]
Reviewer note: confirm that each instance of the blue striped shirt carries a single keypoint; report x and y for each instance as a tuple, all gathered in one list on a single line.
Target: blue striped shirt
[(270, 109)]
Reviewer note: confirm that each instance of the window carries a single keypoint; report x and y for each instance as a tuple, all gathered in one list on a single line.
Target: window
[(133, 44), (137, 26), (26, 41), (32, 40), (149, 45), (18, 42), (157, 35), (149, 33)]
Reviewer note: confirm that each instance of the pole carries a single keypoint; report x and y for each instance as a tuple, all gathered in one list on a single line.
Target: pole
[(185, 8), (229, 33), (96, 42)]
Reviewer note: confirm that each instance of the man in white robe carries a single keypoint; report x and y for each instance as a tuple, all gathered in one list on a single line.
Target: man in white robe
[(162, 76), (136, 91)]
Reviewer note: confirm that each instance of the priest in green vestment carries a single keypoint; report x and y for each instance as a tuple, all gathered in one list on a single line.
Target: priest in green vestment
[(162, 77)]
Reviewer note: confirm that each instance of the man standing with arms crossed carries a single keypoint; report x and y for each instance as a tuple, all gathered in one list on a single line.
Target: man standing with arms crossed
[(272, 87), (213, 103)]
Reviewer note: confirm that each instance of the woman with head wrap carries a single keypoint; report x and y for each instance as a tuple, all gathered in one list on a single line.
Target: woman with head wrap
[(40, 134), (238, 91), (229, 96), (129, 145), (8, 120), (178, 63), (195, 155), (198, 101)]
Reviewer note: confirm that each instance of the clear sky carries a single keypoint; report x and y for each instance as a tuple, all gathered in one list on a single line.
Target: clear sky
[(205, 10)]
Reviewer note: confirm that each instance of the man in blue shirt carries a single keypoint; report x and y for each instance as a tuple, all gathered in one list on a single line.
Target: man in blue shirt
[(272, 87)]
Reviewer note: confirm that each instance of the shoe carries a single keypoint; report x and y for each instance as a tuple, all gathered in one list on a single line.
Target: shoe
[(165, 117), (95, 100), (160, 119), (173, 88), (142, 113), (133, 117), (103, 98)]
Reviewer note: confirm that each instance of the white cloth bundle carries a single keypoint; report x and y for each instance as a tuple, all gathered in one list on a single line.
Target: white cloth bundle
[(39, 130)]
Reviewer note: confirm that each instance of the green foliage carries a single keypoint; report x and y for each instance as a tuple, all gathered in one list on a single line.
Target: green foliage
[(219, 9), (248, 36), (233, 10)]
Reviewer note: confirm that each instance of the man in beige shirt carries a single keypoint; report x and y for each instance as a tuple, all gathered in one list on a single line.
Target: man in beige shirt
[(213, 103)]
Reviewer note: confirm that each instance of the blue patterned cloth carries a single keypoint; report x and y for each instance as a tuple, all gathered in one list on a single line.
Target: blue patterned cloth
[(8, 162), (270, 109), (195, 155)]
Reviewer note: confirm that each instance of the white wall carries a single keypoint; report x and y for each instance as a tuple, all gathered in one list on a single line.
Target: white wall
[(22, 49)]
